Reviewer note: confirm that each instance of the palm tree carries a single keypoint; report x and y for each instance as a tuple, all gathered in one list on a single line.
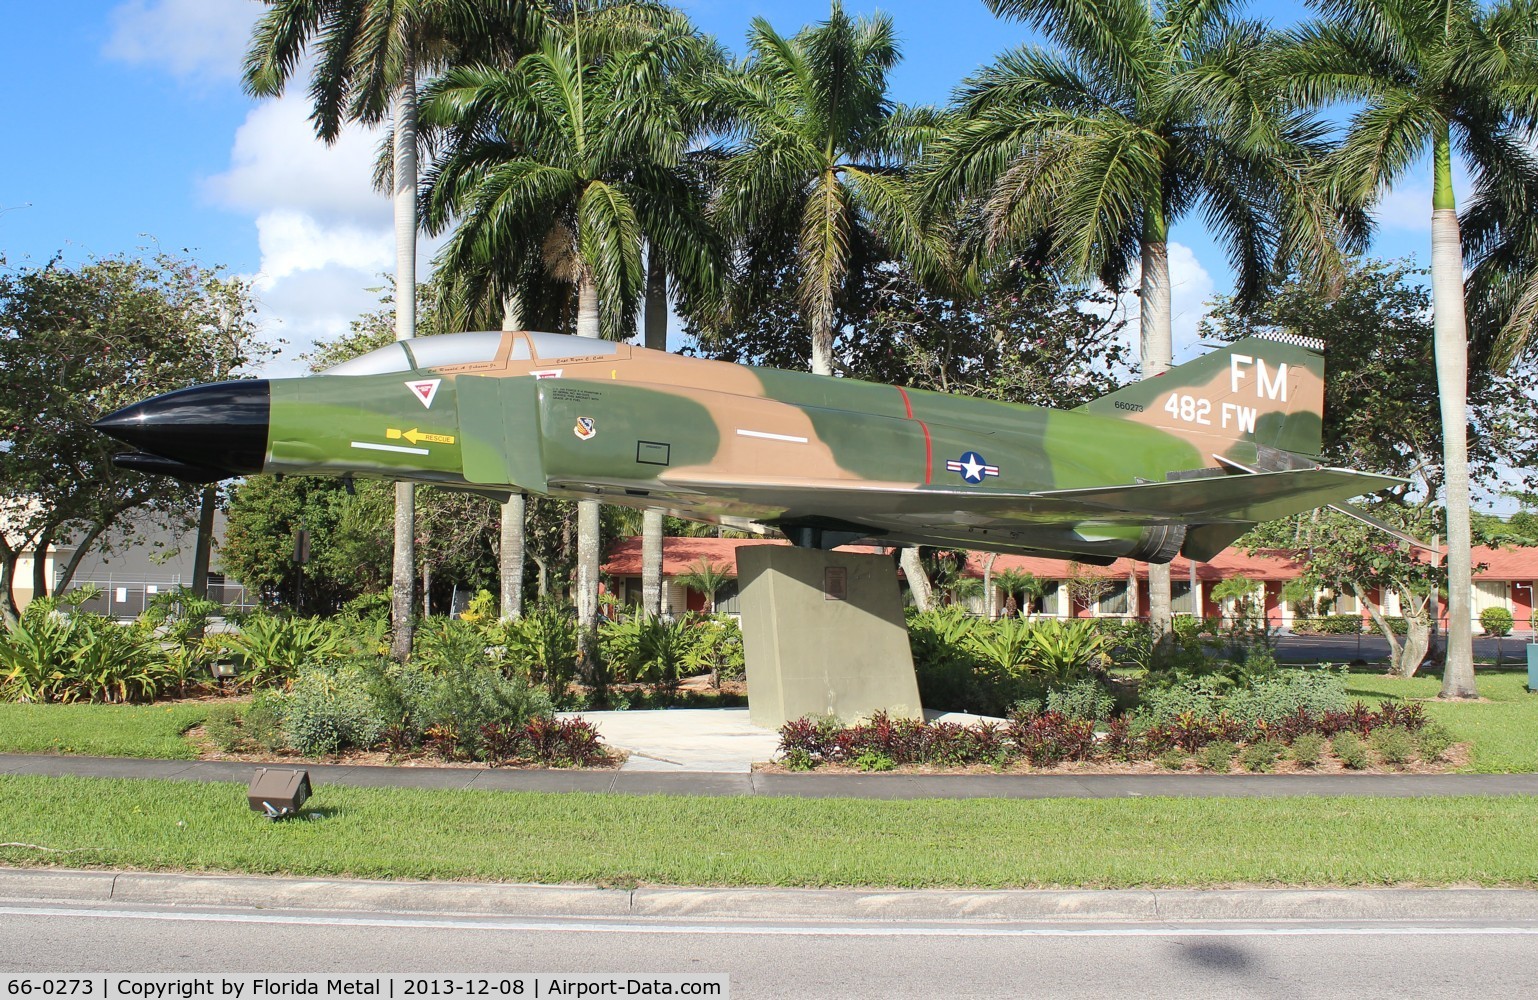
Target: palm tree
[(569, 162), (705, 577), (370, 53), (817, 152), (1146, 113), (1027, 585), (1429, 77)]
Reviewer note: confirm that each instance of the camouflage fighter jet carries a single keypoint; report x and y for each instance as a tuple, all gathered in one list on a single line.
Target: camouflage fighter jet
[(1182, 463)]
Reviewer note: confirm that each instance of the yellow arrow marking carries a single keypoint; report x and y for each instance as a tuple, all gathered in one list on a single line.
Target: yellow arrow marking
[(415, 436)]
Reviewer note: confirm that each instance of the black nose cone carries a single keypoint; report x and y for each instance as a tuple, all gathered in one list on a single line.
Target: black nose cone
[(221, 426)]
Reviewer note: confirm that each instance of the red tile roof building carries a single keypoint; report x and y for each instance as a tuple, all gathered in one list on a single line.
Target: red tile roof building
[(1506, 580)]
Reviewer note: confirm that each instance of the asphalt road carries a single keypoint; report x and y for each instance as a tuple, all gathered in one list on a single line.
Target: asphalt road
[(1511, 650), (801, 959)]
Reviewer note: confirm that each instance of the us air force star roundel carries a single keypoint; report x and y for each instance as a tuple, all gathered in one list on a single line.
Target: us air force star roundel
[(972, 467)]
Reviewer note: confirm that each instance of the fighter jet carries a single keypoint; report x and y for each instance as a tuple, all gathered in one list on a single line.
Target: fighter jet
[(1183, 463)]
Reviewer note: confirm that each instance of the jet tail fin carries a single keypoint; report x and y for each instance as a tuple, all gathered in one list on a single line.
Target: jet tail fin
[(1265, 391)]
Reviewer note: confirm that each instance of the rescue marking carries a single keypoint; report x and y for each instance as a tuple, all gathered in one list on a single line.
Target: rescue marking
[(772, 437), (972, 466), (368, 446), (425, 390), (415, 436), (585, 428)]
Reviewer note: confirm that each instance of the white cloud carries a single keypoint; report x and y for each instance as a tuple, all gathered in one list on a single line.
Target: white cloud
[(277, 162), (190, 39), (292, 242), (1406, 208), (1191, 288)]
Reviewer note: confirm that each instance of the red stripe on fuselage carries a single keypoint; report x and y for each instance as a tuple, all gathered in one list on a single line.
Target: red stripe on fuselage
[(929, 448)]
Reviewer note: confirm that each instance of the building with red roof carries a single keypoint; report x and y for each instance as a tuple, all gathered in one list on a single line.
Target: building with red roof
[(1506, 579)]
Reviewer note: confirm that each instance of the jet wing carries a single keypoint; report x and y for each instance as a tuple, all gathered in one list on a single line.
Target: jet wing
[(1260, 496)]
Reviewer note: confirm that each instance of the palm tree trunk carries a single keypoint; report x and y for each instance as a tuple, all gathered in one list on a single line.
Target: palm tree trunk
[(588, 518), (588, 521), (405, 115), (511, 540), (510, 557), (1157, 346), (990, 601), (656, 330), (822, 348), (1450, 333), (918, 580), (651, 563)]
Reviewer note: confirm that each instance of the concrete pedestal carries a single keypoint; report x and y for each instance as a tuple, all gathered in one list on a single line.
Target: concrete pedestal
[(824, 634)]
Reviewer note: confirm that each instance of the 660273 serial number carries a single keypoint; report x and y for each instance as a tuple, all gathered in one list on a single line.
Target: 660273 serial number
[(462, 987), (52, 988)]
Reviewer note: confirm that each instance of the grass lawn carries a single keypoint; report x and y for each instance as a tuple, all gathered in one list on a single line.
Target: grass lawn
[(625, 840), (1503, 730), (100, 730)]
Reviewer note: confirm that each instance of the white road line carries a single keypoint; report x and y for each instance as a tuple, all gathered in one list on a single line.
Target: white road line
[(771, 437), (638, 926), (390, 447)]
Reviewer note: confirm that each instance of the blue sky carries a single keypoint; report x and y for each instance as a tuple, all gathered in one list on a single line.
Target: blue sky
[(127, 129)]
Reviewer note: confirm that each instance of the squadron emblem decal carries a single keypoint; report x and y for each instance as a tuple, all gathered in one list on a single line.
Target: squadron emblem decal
[(585, 428), (425, 390), (972, 467)]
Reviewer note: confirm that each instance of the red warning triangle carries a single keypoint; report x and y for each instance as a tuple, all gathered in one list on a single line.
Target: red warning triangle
[(425, 390)]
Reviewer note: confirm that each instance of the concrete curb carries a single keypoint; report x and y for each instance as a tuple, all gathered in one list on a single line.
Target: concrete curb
[(1173, 906)]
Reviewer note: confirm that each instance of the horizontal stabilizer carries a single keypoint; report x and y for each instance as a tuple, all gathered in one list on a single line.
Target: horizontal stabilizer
[(1261, 496), (1352, 510)]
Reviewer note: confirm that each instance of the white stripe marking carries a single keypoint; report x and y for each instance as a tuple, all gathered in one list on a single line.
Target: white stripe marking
[(366, 446), (772, 437), (640, 926)]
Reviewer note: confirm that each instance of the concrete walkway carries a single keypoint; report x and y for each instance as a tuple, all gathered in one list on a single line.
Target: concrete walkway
[(813, 785)]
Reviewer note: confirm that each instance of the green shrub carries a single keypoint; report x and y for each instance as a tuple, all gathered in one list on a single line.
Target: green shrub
[(368, 608), (325, 713), (1434, 740), (1283, 694), (53, 656), (1159, 705), (1331, 625), (1348, 747), (442, 645), (271, 650), (719, 648), (950, 676), (222, 724), (1173, 759), (797, 759), (1308, 750), (460, 703), (1496, 621), (1063, 650), (1086, 699), (874, 760), (262, 724), (1260, 756), (654, 650), (1394, 745), (541, 647), (1217, 756)]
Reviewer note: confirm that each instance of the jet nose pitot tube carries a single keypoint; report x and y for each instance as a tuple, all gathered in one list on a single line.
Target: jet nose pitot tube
[(200, 434)]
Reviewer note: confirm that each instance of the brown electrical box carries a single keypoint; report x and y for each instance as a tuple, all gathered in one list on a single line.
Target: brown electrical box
[(278, 792)]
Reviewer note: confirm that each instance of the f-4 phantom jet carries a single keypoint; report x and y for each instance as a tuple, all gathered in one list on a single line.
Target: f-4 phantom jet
[(1183, 463)]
